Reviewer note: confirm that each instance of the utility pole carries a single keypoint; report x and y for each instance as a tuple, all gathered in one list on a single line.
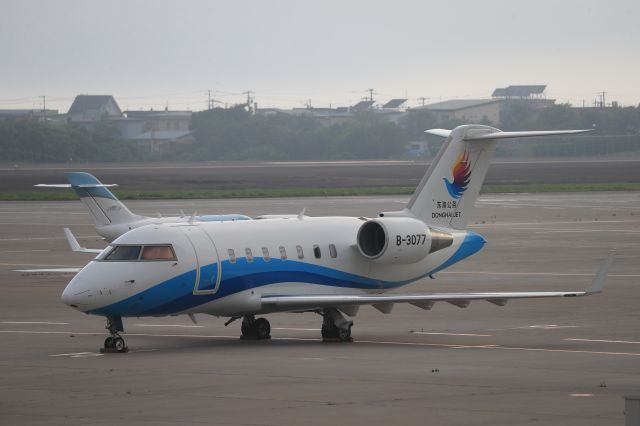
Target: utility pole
[(371, 91), (209, 100), (249, 99), (422, 99), (44, 106), (602, 99)]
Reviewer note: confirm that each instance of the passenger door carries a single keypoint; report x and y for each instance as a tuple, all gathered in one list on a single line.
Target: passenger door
[(208, 269)]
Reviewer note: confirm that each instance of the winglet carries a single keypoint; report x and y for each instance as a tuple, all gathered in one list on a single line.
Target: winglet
[(75, 245), (598, 281)]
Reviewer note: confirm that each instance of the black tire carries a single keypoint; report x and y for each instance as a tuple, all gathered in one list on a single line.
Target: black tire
[(247, 328), (108, 343), (263, 328), (344, 334), (119, 345)]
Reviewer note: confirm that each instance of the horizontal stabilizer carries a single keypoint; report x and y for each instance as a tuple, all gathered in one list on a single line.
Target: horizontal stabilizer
[(507, 135), (439, 132)]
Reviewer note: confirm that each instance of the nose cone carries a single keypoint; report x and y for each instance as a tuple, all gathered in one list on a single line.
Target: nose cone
[(77, 294)]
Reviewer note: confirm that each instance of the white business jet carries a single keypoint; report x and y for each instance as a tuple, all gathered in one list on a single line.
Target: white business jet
[(327, 265), (111, 217)]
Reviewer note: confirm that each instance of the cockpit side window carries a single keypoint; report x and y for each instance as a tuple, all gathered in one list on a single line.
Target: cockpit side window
[(124, 253), (158, 252)]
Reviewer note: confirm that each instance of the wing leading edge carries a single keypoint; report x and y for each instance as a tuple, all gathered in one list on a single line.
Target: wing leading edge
[(383, 302)]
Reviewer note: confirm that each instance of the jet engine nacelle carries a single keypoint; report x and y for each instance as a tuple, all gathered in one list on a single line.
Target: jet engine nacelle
[(394, 240)]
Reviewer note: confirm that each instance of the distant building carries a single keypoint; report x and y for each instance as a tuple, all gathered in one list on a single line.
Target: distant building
[(89, 109), (417, 148), (535, 91), (156, 130), (522, 102), (467, 110), (394, 104)]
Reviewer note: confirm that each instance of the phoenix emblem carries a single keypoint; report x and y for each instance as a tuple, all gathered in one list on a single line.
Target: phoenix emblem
[(461, 172)]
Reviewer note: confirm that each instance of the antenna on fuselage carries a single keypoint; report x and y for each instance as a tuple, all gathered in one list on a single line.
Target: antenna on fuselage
[(193, 216)]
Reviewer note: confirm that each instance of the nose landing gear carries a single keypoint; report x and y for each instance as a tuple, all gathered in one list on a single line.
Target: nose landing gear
[(114, 343)]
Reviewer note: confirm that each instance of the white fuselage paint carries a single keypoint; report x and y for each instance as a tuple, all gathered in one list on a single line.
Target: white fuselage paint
[(126, 287)]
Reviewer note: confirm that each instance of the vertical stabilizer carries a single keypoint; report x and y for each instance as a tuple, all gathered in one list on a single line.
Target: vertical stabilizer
[(448, 191), (104, 207)]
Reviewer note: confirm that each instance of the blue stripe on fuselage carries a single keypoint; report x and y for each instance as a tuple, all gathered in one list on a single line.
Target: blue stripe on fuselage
[(176, 294)]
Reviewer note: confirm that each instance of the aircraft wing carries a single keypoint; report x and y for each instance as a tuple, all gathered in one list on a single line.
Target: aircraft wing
[(75, 246), (68, 185), (50, 271), (384, 302)]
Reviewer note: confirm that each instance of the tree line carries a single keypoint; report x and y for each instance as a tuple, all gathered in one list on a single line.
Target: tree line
[(237, 134)]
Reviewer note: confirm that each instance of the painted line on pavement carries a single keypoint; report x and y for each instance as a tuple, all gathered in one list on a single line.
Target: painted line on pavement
[(604, 341), (374, 342), (452, 334), (170, 325)]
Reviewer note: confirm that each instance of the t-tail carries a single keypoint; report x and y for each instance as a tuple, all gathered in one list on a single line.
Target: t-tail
[(105, 207), (448, 191)]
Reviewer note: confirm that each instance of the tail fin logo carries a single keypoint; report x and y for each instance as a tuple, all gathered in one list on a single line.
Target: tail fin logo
[(461, 172)]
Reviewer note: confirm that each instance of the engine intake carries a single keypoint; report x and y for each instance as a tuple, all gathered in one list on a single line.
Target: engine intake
[(394, 239)]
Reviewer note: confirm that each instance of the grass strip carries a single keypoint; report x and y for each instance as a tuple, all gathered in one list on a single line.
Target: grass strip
[(173, 194)]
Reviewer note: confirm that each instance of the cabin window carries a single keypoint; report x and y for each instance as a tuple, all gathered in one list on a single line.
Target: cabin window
[(300, 252), (124, 253), (332, 250), (283, 252), (249, 255), (265, 254), (316, 251), (232, 256), (158, 252)]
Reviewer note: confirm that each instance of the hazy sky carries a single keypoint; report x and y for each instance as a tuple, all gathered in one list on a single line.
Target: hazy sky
[(148, 53)]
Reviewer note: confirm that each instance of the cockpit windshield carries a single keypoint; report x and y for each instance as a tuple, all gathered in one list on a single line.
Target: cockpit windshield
[(137, 253)]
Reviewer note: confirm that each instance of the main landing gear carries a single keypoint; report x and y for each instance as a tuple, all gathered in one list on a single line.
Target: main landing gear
[(335, 327), (255, 329), (114, 343)]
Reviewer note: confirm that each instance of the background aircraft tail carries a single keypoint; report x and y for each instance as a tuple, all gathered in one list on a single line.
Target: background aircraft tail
[(448, 191), (104, 207)]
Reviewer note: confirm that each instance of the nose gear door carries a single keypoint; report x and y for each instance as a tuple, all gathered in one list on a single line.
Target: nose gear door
[(208, 269)]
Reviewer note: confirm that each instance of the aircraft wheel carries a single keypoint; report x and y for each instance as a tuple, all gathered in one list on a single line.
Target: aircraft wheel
[(108, 343), (248, 327), (263, 328), (344, 334), (329, 332), (119, 345)]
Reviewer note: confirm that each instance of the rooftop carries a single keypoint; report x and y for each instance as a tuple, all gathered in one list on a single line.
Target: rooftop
[(524, 91), (89, 102), (457, 104), (394, 103)]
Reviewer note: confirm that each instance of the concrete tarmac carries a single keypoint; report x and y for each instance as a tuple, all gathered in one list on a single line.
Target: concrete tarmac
[(552, 362)]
